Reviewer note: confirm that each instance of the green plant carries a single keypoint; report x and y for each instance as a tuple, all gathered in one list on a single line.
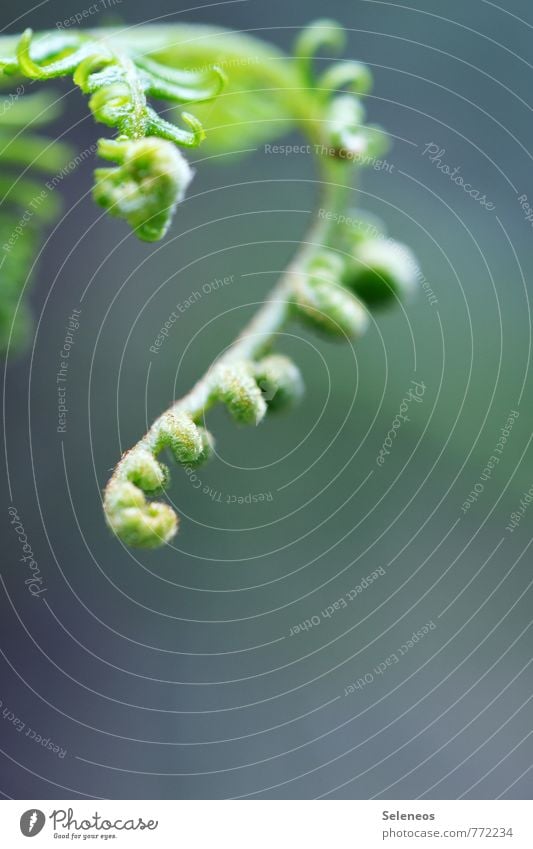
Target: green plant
[(342, 265), (27, 207)]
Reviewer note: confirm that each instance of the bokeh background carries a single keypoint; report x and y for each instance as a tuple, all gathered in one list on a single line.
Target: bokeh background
[(173, 674)]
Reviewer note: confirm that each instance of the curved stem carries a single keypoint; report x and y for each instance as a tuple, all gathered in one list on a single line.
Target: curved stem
[(253, 339), (119, 68)]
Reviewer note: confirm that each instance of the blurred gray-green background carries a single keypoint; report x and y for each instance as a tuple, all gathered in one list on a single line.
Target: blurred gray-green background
[(173, 674)]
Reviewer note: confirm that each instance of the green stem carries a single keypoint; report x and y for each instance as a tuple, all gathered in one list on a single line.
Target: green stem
[(266, 323)]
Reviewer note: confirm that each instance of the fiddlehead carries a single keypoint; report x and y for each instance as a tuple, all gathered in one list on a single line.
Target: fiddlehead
[(150, 174), (321, 287)]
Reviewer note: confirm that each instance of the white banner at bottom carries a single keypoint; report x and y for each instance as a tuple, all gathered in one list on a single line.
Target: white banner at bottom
[(269, 823)]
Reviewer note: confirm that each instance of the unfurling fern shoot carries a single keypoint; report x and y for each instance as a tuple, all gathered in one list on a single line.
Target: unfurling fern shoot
[(335, 277)]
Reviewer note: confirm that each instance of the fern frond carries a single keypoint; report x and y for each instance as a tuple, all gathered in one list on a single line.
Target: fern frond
[(149, 176), (336, 276), (119, 83)]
